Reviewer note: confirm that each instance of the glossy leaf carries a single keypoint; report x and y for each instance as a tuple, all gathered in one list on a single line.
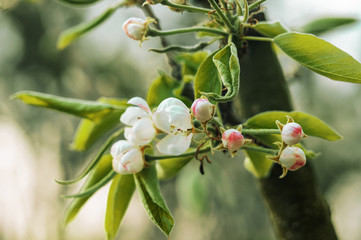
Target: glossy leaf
[(190, 62), (257, 163), (311, 125), (73, 33), (207, 79), (99, 172), (227, 65), (320, 56), (89, 131), (119, 196), (326, 24), (168, 168), (148, 189), (270, 29), (81, 108)]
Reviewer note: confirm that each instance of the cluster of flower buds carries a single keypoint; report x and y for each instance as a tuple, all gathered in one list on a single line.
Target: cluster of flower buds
[(291, 157)]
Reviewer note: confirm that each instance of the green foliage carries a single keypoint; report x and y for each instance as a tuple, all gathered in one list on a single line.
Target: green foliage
[(311, 125), (320, 56), (190, 62), (81, 108), (326, 24), (148, 189), (89, 131), (99, 172), (119, 196), (79, 2), (224, 65), (257, 163), (73, 33), (270, 29), (168, 168)]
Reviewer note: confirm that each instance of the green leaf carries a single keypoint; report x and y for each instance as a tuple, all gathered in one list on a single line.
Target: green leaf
[(89, 131), (190, 62), (311, 125), (325, 24), (99, 172), (257, 163), (119, 196), (98, 157), (270, 29), (320, 56), (148, 189), (73, 33), (168, 168), (227, 65), (161, 88), (79, 2), (81, 108), (207, 79)]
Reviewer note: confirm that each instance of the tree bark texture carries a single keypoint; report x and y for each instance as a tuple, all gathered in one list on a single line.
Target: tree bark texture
[(296, 207)]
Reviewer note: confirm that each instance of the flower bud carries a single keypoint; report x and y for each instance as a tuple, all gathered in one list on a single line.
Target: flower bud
[(136, 28), (292, 133), (202, 109), (292, 158), (127, 159), (232, 139)]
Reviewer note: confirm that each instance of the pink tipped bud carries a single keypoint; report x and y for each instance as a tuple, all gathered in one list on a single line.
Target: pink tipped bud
[(292, 158), (232, 139), (202, 109), (292, 133), (127, 159), (135, 28)]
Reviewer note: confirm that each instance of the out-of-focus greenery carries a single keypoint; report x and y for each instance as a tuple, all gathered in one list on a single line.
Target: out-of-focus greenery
[(97, 66)]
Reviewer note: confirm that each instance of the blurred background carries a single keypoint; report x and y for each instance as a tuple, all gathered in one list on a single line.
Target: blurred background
[(224, 203)]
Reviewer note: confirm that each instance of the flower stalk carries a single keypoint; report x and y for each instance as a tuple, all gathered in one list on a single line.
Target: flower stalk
[(154, 32)]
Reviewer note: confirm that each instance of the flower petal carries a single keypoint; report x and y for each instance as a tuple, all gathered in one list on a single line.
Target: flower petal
[(119, 147), (161, 121), (179, 117), (174, 144), (133, 161), (132, 114), (140, 102)]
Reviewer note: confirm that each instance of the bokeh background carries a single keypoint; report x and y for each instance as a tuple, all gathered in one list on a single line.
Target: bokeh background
[(223, 204)]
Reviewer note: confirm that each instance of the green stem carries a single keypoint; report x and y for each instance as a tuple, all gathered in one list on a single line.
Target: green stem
[(255, 4), (261, 149), (260, 131), (221, 15), (246, 12), (187, 154), (154, 32), (187, 8), (263, 39)]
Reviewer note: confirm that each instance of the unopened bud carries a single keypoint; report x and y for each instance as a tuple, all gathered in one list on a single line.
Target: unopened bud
[(136, 28), (127, 159), (292, 158), (292, 133), (202, 109), (232, 139)]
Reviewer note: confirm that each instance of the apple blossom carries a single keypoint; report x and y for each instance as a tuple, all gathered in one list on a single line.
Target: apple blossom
[(127, 158), (136, 28), (173, 117), (292, 133), (202, 109), (292, 158), (232, 139), (139, 118)]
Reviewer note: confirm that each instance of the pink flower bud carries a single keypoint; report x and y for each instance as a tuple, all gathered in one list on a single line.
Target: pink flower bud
[(202, 109), (127, 158), (292, 158), (135, 28), (232, 139), (292, 133)]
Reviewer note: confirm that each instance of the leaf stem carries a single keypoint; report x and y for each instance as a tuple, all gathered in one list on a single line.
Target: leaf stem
[(263, 39), (260, 131), (255, 4), (261, 149), (187, 154), (154, 32), (221, 15), (187, 8)]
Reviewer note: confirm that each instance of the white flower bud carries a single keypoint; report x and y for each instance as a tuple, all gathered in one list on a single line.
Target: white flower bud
[(127, 159), (292, 158), (233, 140), (292, 133), (202, 109), (135, 28)]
